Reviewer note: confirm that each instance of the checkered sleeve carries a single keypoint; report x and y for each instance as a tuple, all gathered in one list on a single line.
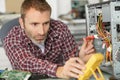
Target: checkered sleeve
[(68, 43), (22, 59)]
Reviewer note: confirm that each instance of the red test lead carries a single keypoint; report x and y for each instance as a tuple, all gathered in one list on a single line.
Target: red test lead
[(91, 37)]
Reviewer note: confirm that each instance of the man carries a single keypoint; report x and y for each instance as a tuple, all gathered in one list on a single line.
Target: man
[(43, 45)]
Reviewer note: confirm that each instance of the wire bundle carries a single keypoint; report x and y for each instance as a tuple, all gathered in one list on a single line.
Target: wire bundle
[(105, 35)]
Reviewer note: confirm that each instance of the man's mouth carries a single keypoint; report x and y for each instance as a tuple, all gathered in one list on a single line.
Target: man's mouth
[(39, 39)]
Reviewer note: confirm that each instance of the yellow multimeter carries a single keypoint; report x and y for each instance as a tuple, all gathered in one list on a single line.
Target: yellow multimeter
[(92, 68)]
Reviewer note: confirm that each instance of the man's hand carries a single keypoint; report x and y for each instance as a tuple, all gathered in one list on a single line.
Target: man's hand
[(86, 50), (72, 68)]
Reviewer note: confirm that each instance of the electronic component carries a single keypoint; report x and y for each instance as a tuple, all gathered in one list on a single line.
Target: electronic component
[(103, 20)]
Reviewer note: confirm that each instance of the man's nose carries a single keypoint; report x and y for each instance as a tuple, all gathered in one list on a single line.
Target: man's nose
[(41, 30)]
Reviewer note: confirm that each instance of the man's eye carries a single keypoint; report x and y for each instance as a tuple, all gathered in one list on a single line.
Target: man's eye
[(34, 24), (46, 23)]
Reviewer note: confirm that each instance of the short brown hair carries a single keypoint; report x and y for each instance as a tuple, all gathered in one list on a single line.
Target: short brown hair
[(40, 5)]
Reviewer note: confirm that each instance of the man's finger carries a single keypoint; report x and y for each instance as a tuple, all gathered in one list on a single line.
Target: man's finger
[(84, 43)]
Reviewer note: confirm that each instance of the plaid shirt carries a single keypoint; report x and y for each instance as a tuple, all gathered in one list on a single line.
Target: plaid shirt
[(24, 55)]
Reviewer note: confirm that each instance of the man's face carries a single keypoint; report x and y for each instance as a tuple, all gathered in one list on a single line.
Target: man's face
[(36, 25)]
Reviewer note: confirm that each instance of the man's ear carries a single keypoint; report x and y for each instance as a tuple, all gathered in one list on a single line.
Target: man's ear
[(21, 23)]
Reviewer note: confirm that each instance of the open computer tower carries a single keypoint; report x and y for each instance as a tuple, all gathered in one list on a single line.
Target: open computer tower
[(103, 20)]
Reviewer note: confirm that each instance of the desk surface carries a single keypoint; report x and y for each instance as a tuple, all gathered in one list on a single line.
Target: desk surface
[(106, 76)]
